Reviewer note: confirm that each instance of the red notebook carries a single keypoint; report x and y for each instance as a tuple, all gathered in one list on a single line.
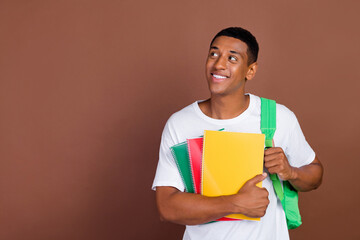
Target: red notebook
[(195, 149)]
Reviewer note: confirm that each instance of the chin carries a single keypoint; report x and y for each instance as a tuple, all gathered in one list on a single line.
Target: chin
[(217, 91), (217, 88)]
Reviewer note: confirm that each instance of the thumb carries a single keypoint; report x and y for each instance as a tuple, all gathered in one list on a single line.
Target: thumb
[(258, 178)]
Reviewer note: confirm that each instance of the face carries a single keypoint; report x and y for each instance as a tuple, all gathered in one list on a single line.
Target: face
[(226, 66)]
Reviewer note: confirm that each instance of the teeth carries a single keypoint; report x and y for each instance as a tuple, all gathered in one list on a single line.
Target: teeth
[(218, 76)]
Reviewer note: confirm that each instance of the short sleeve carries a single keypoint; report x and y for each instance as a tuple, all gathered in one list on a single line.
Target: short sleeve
[(167, 173), (298, 151)]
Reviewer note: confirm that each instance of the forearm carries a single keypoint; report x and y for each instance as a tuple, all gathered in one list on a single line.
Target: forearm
[(191, 209), (308, 177)]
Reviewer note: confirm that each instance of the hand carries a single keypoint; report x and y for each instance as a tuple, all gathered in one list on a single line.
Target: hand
[(251, 200), (276, 162)]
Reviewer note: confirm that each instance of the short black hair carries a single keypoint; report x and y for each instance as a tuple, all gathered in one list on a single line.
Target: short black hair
[(245, 36)]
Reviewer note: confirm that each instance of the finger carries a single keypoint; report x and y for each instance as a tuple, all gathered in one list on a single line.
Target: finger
[(272, 170), (271, 163), (276, 169), (273, 150), (272, 157), (258, 178), (264, 192)]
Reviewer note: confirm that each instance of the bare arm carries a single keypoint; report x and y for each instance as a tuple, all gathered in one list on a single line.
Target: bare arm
[(305, 178), (192, 209)]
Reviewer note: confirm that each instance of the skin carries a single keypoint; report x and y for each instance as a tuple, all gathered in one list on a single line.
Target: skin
[(303, 179), (193, 209), (228, 57)]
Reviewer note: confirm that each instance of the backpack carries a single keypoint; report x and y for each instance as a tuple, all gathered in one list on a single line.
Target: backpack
[(286, 193)]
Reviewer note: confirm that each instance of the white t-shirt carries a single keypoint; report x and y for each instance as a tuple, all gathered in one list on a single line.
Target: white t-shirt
[(190, 122)]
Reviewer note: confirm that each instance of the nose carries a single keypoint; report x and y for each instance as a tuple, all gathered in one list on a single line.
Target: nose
[(220, 63)]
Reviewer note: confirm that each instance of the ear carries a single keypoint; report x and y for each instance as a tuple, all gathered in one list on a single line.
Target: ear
[(251, 71)]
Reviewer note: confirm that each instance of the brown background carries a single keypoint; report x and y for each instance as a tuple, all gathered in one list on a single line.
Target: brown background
[(87, 86)]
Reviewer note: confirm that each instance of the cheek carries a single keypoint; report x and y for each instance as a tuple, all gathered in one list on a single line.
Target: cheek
[(238, 71), (208, 67)]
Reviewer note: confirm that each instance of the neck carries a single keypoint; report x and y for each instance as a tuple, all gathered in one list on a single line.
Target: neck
[(225, 107)]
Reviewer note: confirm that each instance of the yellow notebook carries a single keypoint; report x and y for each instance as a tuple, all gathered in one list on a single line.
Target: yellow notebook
[(229, 160)]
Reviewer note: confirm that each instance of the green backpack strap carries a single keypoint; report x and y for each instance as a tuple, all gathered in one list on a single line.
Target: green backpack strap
[(268, 127), (288, 196), (290, 204)]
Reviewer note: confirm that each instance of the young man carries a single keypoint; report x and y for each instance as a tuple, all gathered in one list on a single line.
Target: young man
[(230, 63)]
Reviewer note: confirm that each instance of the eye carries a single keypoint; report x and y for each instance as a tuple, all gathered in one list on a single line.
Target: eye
[(213, 54), (232, 58)]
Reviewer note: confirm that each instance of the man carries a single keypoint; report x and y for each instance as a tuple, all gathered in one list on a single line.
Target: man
[(232, 61)]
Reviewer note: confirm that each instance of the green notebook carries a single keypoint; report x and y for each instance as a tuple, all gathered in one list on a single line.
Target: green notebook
[(181, 157)]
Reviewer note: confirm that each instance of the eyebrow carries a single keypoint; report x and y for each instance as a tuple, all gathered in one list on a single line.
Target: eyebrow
[(234, 52)]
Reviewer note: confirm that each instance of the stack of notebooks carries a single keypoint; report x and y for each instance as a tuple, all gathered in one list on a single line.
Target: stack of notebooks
[(219, 163)]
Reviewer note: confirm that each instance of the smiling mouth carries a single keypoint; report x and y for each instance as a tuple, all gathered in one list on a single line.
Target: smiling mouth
[(218, 78)]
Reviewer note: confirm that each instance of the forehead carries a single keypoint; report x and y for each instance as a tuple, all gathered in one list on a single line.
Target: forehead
[(224, 43)]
